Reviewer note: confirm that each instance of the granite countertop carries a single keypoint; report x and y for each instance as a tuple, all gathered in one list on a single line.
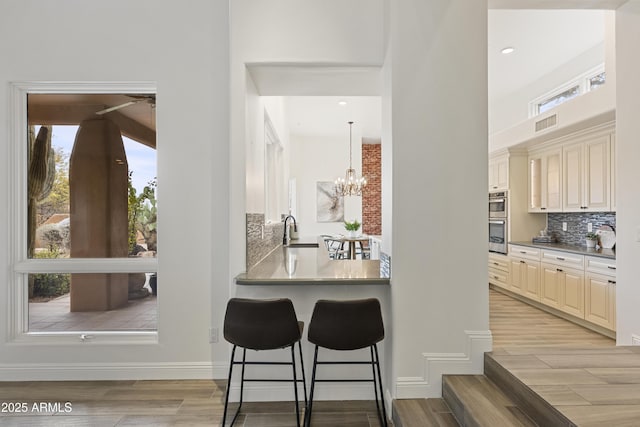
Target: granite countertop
[(304, 265), (580, 250)]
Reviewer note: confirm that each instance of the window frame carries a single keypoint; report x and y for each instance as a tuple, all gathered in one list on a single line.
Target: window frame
[(582, 81), (21, 265)]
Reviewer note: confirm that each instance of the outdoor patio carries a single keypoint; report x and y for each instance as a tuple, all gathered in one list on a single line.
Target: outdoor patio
[(54, 316)]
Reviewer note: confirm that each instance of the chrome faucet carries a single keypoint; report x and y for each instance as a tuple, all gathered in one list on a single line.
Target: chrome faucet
[(285, 236)]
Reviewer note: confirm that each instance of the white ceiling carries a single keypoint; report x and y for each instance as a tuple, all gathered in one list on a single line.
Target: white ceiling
[(544, 40)]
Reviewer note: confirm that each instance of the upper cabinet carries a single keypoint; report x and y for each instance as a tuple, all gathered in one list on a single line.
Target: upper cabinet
[(586, 175), (499, 173), (545, 179), (574, 174)]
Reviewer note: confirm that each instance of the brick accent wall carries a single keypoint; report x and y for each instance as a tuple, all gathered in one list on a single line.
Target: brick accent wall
[(372, 194)]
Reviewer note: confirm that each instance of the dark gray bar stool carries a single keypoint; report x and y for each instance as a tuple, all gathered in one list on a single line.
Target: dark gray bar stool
[(343, 326), (262, 325)]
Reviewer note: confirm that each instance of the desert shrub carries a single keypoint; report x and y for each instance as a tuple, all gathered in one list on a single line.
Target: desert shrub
[(50, 284), (55, 236)]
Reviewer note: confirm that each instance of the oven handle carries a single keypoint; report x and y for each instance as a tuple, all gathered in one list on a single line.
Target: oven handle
[(497, 222), (496, 200)]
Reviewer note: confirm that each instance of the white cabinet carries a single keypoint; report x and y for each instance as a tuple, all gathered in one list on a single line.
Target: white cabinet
[(499, 270), (525, 271), (545, 181), (562, 282), (586, 175), (600, 292), (499, 173), (613, 172)]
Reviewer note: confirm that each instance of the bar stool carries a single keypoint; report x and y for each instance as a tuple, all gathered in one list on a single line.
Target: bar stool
[(343, 326), (262, 325)]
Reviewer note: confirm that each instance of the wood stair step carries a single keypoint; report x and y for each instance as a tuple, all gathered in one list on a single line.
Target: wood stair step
[(423, 413), (536, 408), (477, 402)]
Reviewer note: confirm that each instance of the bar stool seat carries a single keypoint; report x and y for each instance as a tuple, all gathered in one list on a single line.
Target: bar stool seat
[(262, 325), (345, 326)]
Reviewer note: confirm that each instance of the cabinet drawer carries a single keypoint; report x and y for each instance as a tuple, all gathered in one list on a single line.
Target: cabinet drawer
[(499, 277), (524, 252), (599, 265), (499, 262), (564, 259)]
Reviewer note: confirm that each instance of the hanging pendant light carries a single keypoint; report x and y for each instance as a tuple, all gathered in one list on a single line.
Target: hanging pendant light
[(350, 185)]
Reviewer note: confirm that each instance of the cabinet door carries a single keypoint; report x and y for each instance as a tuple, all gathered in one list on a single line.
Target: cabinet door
[(613, 172), (596, 174), (600, 301), (535, 184), (499, 173), (550, 285), (572, 188), (517, 268), (530, 280), (552, 194), (572, 288)]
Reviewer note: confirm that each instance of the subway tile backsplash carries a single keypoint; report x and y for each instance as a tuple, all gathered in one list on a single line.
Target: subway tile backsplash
[(577, 225)]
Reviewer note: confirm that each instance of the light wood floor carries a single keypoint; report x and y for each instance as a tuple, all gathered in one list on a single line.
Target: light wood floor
[(157, 403), (582, 372)]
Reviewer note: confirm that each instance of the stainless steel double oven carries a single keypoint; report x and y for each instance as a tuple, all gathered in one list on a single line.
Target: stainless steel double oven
[(498, 222)]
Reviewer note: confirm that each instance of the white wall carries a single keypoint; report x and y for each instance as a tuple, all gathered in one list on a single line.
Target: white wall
[(507, 111), (628, 173), (326, 158), (184, 50), (439, 290), (509, 123)]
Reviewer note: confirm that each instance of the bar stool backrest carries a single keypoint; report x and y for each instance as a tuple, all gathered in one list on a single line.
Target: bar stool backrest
[(261, 324), (346, 325)]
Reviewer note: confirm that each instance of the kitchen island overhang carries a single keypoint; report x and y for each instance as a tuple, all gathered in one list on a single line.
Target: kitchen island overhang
[(308, 265)]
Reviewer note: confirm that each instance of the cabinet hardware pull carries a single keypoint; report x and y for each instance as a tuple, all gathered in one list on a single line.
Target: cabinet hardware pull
[(559, 258), (495, 263), (496, 277), (559, 269), (542, 209), (611, 267), (522, 262), (613, 282), (523, 252)]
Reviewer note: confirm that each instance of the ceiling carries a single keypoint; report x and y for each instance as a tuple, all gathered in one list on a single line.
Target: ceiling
[(544, 40), (133, 113)]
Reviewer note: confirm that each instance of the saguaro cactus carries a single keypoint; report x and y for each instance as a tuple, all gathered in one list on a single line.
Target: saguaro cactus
[(42, 173)]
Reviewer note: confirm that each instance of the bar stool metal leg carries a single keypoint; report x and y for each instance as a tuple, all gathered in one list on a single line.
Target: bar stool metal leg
[(384, 410), (226, 399), (307, 418), (375, 381), (304, 381)]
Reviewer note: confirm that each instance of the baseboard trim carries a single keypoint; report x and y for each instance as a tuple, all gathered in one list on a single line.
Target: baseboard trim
[(437, 364), (112, 371)]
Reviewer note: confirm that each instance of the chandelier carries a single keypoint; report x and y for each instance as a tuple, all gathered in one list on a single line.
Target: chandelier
[(350, 185)]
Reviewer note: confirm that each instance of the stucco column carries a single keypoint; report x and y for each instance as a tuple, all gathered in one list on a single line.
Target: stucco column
[(98, 194)]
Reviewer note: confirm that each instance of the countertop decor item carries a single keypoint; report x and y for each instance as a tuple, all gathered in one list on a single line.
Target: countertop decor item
[(607, 235), (591, 239), (351, 185)]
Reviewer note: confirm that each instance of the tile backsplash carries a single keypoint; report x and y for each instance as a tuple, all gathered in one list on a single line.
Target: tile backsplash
[(577, 225), (259, 245)]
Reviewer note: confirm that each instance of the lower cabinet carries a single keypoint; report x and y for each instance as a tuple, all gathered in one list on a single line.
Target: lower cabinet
[(600, 298), (562, 289), (499, 270), (582, 286)]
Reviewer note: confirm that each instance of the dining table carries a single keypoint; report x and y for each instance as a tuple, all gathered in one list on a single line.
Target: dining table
[(352, 242)]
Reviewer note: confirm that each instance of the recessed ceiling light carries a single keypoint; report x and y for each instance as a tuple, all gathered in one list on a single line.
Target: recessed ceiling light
[(343, 103), (507, 50)]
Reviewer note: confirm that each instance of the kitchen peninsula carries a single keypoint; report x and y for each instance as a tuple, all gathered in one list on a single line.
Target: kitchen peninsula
[(306, 262)]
